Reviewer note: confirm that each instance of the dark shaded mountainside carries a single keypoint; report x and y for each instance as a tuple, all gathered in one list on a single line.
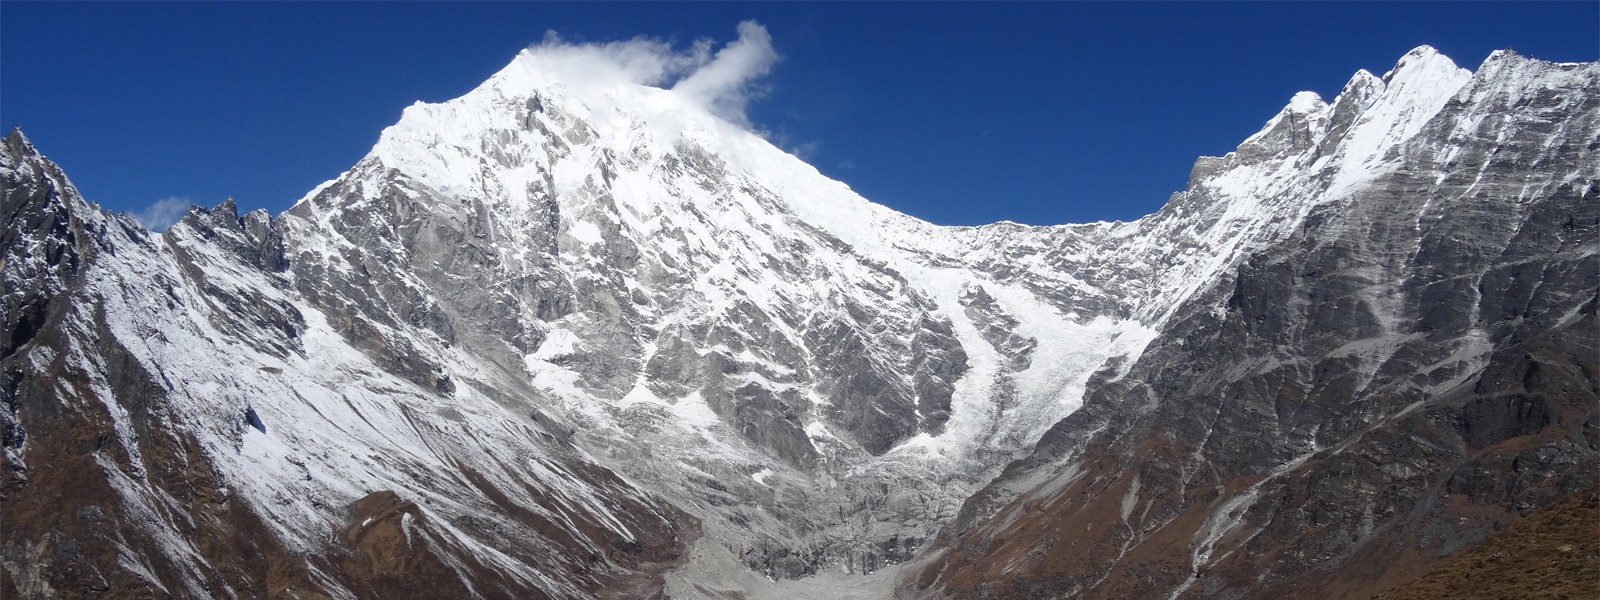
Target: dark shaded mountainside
[(535, 346)]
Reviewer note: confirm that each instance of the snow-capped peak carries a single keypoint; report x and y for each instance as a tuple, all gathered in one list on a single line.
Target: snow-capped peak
[(1422, 58), (1306, 102), (1411, 94), (1424, 72), (1360, 88)]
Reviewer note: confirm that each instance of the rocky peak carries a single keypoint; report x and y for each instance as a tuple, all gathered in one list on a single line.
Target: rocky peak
[(19, 159), (1296, 129), (50, 233), (16, 144), (252, 238)]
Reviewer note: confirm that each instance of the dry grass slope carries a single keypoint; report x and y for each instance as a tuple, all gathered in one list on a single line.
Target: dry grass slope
[(1553, 554)]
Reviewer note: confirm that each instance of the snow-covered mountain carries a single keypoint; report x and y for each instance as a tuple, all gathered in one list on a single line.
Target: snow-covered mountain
[(573, 336)]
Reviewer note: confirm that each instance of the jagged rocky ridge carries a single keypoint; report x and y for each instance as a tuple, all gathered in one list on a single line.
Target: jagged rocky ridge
[(565, 339)]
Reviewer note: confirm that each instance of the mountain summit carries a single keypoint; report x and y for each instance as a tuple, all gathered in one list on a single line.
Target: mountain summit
[(573, 335)]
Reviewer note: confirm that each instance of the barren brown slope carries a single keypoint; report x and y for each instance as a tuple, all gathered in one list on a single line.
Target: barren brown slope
[(1553, 554)]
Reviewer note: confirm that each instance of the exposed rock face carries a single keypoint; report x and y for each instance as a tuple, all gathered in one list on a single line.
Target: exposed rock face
[(1410, 370), (561, 339)]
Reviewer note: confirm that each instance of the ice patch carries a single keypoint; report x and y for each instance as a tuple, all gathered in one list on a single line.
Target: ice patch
[(586, 232), (558, 343), (761, 476)]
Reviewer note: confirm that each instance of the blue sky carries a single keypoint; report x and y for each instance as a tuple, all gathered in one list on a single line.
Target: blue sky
[(957, 113)]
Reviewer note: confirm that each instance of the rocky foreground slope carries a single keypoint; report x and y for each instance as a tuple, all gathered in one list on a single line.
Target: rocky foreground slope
[(567, 337)]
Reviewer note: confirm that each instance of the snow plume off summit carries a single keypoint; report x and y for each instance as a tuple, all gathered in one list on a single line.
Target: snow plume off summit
[(721, 83)]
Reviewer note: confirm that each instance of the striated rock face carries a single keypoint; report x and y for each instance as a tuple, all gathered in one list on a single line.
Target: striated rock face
[(1410, 370), (582, 339)]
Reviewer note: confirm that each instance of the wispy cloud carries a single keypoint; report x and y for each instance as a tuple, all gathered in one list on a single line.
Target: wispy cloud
[(163, 213), (802, 150), (723, 83), (798, 147)]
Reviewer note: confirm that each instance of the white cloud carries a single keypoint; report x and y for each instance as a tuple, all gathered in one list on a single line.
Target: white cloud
[(163, 213), (723, 84), (641, 60)]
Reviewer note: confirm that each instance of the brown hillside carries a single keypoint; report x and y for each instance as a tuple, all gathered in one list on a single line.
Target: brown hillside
[(1553, 554)]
